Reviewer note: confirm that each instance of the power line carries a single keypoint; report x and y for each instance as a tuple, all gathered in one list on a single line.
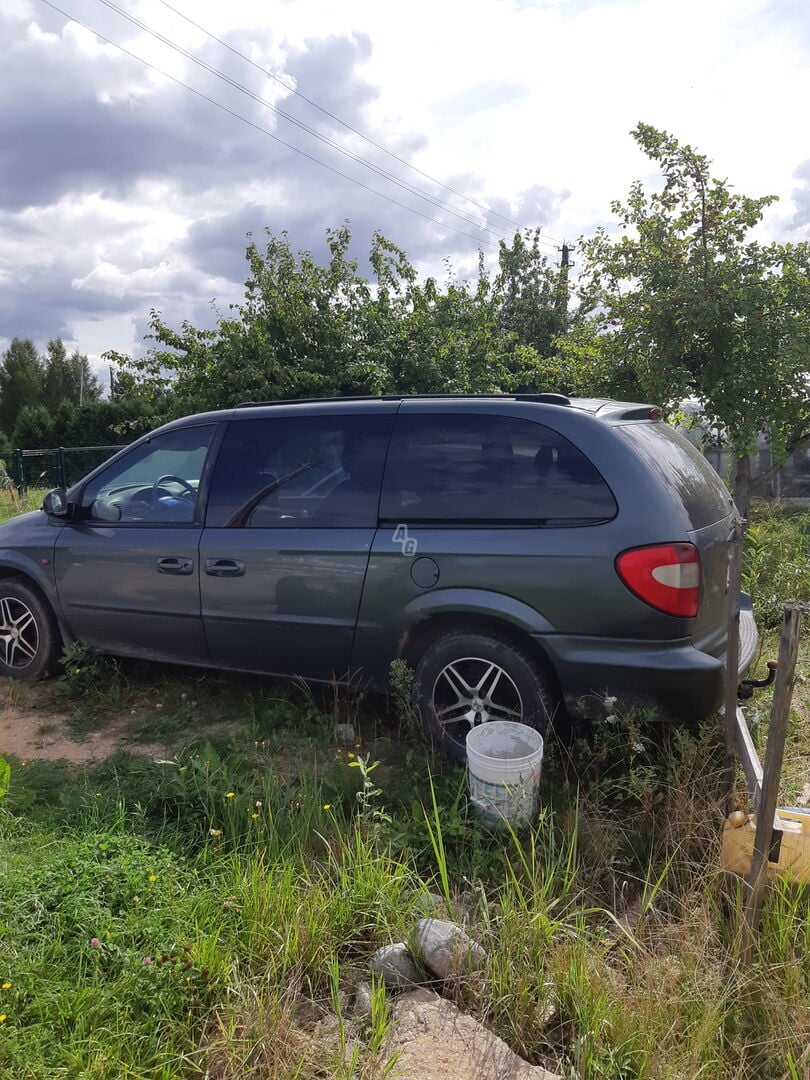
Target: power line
[(264, 131), (496, 231), (345, 124)]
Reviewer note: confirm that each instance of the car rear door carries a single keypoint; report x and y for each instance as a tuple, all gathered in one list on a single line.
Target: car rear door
[(281, 582)]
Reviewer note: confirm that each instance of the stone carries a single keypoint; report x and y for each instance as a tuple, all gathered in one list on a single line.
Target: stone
[(433, 1040), (345, 734), (394, 964), (361, 1005), (445, 949)]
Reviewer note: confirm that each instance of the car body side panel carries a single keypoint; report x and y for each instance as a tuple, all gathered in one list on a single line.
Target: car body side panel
[(114, 596), (294, 609)]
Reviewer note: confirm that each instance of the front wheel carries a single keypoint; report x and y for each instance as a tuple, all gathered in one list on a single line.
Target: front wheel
[(466, 679), (29, 636)]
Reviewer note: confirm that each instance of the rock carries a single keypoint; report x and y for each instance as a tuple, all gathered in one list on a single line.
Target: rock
[(361, 1005), (435, 1041), (345, 734), (446, 949), (394, 964)]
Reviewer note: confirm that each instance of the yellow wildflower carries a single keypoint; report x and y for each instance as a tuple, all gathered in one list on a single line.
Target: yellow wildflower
[(6, 986), (254, 816), (229, 794), (327, 806), (351, 755), (2, 1017), (153, 877), (215, 832)]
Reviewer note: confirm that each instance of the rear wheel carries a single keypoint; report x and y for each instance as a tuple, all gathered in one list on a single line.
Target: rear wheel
[(466, 679), (29, 636)]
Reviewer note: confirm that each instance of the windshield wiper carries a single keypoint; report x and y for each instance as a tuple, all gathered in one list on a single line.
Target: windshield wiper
[(240, 517)]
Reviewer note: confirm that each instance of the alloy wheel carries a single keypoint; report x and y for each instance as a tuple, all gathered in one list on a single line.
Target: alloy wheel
[(19, 633), (473, 691)]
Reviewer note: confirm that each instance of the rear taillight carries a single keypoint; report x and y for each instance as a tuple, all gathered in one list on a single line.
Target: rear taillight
[(665, 576)]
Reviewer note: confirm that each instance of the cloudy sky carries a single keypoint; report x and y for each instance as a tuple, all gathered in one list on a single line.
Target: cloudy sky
[(122, 189)]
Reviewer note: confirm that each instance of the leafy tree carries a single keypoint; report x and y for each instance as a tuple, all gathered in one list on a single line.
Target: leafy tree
[(33, 429), (21, 377), (690, 305), (310, 330), (67, 378)]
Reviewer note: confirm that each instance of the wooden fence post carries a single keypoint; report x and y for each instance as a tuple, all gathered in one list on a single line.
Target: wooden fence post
[(772, 772)]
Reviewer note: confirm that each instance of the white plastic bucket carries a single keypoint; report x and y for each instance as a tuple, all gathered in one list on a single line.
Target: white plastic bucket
[(504, 760)]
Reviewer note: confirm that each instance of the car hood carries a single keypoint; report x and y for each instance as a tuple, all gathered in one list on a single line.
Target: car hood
[(34, 528)]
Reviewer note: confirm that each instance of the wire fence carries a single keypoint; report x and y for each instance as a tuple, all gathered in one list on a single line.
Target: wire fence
[(61, 466)]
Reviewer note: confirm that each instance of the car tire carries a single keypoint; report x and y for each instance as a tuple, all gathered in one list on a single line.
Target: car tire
[(30, 642), (456, 676)]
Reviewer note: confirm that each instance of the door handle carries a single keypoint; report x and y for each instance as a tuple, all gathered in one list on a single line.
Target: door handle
[(172, 565), (224, 567)]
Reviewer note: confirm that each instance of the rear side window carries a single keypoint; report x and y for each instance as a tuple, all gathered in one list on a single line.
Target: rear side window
[(314, 471), (489, 469), (682, 470)]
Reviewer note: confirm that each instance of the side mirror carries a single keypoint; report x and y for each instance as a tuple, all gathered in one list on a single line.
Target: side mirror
[(55, 503)]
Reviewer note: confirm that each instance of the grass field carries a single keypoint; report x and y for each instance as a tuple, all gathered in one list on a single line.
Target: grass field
[(171, 918)]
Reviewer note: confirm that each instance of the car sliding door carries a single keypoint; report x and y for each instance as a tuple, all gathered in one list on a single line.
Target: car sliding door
[(291, 520)]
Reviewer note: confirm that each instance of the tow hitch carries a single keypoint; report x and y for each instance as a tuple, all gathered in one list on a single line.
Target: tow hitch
[(746, 688)]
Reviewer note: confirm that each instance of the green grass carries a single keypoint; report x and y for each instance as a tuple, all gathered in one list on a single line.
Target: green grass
[(19, 502), (170, 919)]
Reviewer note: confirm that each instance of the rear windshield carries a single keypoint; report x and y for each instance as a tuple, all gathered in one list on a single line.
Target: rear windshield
[(682, 469)]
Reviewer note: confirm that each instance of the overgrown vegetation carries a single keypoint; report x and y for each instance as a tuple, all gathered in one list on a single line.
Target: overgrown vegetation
[(189, 916)]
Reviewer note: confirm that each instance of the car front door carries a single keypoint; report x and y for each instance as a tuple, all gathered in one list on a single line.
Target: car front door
[(127, 563), (291, 520)]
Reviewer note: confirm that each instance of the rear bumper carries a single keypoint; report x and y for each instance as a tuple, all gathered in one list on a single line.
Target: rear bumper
[(679, 681)]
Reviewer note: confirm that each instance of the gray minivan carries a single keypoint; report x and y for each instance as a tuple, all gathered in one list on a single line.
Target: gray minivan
[(527, 555)]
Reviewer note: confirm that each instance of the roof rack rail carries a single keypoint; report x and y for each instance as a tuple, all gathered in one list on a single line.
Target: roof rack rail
[(545, 398)]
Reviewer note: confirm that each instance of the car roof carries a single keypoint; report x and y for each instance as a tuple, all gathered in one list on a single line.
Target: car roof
[(604, 408)]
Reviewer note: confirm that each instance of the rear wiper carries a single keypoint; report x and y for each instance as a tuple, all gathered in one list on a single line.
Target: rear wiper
[(240, 517)]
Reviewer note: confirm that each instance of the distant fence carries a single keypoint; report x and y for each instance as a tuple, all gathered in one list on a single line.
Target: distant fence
[(790, 481), (59, 467)]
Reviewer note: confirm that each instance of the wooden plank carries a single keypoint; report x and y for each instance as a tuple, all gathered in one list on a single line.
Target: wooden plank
[(771, 773), (732, 662), (752, 768)]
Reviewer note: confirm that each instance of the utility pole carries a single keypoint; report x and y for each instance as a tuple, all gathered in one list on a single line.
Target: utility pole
[(561, 302)]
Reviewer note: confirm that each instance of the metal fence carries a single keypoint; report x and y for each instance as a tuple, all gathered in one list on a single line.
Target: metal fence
[(58, 467), (790, 481)]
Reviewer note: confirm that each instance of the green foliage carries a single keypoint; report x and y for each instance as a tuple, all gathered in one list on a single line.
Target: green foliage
[(691, 305), (776, 562), (5, 776), (67, 378), (306, 329), (21, 378), (33, 429)]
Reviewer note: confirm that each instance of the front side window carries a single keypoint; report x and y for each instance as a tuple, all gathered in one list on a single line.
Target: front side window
[(300, 471), (489, 469), (156, 483)]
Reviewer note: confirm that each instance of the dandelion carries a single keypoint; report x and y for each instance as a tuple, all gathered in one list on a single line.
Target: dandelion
[(351, 755), (215, 832), (6, 986), (77, 671), (229, 794), (254, 816), (327, 806), (95, 943), (2, 1018), (153, 877)]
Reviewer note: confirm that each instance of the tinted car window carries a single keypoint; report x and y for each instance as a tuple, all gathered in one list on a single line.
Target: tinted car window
[(480, 468), (682, 470), (155, 483), (317, 471)]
